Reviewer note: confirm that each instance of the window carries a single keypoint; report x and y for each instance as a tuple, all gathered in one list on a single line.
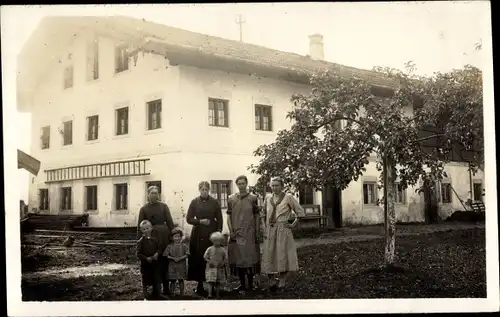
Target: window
[(68, 77), (154, 183), (217, 112), (121, 58), (478, 191), (154, 114), (370, 193), (121, 196), (306, 195), (263, 118), (68, 133), (45, 138), (446, 193), (221, 190), (66, 198), (92, 128), (43, 195), (122, 121), (91, 198), (92, 60), (400, 194)]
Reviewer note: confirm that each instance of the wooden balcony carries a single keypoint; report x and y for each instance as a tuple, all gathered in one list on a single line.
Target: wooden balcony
[(102, 170)]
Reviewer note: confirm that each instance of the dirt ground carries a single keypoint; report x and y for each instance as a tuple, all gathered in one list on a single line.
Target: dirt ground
[(444, 261)]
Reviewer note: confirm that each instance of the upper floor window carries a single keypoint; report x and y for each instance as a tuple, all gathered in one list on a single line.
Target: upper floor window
[(43, 196), (154, 114), (45, 138), (221, 190), (92, 128), (263, 118), (121, 58), (92, 60), (68, 133), (122, 121), (369, 193), (66, 203), (218, 112), (68, 76), (306, 195)]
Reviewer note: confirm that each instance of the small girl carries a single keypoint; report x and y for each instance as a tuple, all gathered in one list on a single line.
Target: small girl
[(215, 256), (177, 254)]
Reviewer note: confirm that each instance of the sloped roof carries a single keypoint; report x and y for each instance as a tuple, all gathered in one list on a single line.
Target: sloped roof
[(240, 50), (56, 31)]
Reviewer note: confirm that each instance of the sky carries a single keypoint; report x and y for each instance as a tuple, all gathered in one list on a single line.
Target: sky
[(436, 36)]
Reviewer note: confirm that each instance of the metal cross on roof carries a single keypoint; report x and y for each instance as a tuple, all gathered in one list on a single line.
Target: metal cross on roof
[(240, 21)]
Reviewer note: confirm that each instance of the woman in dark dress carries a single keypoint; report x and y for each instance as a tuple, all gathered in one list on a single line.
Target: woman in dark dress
[(159, 215), (205, 215)]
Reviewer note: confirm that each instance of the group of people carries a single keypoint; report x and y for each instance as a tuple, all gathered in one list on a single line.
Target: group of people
[(166, 261)]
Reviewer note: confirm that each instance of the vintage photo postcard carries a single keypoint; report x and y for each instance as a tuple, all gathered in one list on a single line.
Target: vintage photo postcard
[(272, 158)]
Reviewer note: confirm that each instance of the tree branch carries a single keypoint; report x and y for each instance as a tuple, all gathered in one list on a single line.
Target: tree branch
[(429, 137), (333, 120)]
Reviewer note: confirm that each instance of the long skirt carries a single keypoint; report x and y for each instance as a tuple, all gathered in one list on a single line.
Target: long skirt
[(198, 244), (279, 252), (244, 257)]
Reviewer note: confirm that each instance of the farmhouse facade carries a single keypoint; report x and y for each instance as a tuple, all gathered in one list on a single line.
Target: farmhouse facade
[(119, 104)]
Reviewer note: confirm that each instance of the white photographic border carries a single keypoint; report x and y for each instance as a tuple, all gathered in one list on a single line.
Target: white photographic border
[(236, 307)]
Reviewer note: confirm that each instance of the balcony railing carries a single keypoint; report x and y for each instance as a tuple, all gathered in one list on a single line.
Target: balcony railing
[(101, 170)]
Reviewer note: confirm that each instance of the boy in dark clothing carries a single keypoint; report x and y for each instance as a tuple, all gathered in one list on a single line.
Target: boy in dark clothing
[(148, 250), (158, 214)]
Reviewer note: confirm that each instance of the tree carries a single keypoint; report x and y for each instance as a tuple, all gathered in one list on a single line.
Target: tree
[(377, 122)]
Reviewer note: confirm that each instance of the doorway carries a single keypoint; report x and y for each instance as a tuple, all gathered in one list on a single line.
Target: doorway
[(431, 204), (332, 204)]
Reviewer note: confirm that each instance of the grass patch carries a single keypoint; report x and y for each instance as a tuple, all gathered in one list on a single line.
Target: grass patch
[(447, 264)]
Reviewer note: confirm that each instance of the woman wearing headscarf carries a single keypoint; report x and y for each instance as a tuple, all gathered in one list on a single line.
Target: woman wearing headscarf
[(279, 215), (159, 215), (205, 215)]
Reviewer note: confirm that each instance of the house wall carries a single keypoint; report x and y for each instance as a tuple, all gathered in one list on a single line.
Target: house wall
[(186, 150), (220, 153), (354, 211), (151, 79)]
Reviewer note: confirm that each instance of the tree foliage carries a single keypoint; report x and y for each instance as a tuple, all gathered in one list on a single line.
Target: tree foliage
[(316, 150)]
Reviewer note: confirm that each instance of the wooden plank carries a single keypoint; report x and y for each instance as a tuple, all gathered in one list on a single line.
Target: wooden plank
[(110, 169), (67, 232), (27, 162)]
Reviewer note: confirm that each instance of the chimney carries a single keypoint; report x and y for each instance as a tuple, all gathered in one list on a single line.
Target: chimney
[(316, 47)]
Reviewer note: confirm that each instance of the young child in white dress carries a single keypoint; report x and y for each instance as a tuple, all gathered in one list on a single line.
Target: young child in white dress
[(216, 258)]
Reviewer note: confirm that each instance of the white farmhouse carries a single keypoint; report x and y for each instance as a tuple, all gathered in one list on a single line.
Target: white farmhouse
[(119, 103)]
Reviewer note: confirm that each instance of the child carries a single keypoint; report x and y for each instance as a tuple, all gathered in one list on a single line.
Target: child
[(215, 256), (147, 251), (177, 254)]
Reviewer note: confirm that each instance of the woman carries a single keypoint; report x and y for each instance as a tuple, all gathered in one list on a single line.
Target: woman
[(243, 221), (159, 215), (279, 254), (205, 215)]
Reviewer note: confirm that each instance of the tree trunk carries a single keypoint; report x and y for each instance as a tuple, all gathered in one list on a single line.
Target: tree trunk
[(430, 203), (390, 214)]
